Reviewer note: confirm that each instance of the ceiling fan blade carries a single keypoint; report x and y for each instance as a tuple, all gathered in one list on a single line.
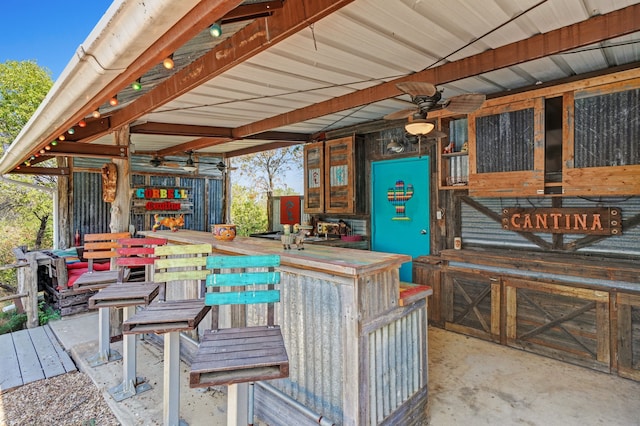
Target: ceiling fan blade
[(465, 104), (400, 114), (435, 134), (417, 88)]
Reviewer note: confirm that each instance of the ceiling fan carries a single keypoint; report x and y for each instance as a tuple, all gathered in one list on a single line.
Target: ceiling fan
[(189, 165), (427, 97)]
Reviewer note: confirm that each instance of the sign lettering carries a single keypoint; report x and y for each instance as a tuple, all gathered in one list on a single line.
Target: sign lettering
[(596, 221)]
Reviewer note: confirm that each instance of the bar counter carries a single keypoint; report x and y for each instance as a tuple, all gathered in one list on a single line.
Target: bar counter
[(356, 356)]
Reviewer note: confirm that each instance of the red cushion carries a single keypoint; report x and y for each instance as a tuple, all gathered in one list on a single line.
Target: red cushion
[(74, 270), (78, 265)]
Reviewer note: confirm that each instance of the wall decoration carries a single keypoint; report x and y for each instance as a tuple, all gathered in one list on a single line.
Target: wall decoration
[(290, 209), (314, 178), (398, 197), (109, 181), (339, 175), (577, 220)]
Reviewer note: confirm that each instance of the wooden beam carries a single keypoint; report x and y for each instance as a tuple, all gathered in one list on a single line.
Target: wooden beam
[(246, 43), (53, 171), (590, 31), (259, 148), (252, 11), (153, 128), (193, 145), (75, 149)]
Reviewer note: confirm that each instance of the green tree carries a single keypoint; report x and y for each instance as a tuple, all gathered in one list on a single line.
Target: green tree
[(248, 212), (23, 86), (26, 205), (267, 170)]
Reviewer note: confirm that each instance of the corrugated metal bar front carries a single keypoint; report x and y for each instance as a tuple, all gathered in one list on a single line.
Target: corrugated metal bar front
[(395, 364), (311, 319), (91, 215)]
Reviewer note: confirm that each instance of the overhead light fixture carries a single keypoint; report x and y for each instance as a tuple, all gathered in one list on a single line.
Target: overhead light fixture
[(216, 29), (136, 85), (168, 62), (419, 126), (189, 166)]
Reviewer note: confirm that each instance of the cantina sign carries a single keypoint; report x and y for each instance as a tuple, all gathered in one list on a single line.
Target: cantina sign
[(596, 221)]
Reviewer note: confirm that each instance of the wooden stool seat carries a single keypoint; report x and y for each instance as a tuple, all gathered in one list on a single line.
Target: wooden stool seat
[(95, 280), (238, 355), (166, 317), (121, 295)]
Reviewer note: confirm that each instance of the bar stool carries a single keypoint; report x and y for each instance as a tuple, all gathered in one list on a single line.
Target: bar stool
[(100, 246), (133, 252), (175, 265), (237, 356)]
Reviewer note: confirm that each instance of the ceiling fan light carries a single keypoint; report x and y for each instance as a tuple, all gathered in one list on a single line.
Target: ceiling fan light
[(419, 126)]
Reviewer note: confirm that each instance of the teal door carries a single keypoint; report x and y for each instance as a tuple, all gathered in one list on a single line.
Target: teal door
[(400, 209)]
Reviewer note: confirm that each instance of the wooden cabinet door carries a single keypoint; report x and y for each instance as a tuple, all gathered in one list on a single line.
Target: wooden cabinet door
[(629, 335), (314, 178), (339, 177)]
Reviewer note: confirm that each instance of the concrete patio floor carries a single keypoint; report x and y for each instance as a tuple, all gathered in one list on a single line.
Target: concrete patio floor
[(471, 382)]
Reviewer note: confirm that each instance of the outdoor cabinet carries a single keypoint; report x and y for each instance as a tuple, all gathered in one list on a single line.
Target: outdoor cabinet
[(314, 177), (334, 174), (569, 141)]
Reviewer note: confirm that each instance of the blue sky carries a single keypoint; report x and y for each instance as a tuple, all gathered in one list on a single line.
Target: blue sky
[(48, 32)]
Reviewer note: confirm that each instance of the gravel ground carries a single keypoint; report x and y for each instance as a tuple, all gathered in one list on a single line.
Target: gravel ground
[(68, 399)]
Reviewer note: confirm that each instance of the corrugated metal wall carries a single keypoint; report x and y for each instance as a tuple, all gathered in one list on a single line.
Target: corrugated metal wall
[(505, 141), (607, 129), (91, 215), (480, 231)]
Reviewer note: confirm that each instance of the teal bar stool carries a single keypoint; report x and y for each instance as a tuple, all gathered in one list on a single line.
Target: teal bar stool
[(239, 356)]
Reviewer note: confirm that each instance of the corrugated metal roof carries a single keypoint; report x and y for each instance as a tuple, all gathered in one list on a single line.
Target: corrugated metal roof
[(361, 45)]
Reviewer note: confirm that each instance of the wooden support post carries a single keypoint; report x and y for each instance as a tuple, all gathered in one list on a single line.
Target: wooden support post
[(28, 284)]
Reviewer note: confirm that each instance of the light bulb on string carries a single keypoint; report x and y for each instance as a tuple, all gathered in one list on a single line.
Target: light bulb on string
[(215, 30), (42, 151), (82, 123), (96, 114), (61, 137), (54, 143), (168, 62), (48, 147), (136, 85), (114, 100), (71, 131)]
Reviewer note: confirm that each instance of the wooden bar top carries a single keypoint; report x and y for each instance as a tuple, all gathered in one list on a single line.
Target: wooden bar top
[(333, 260)]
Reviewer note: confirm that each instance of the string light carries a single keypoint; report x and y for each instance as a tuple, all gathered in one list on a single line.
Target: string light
[(61, 137), (42, 151), (136, 85), (96, 114), (71, 131), (215, 30), (82, 123), (168, 62), (48, 147), (114, 100), (54, 143)]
